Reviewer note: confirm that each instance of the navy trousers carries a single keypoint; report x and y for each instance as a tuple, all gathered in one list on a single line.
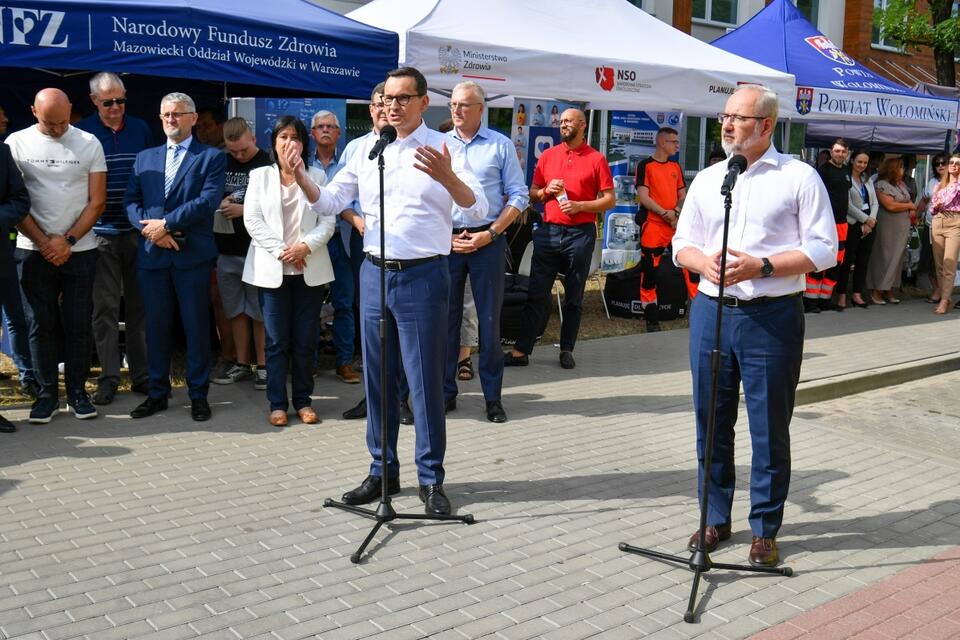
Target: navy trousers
[(557, 249), (485, 268), (163, 291), (415, 335), (341, 296), (762, 347), (291, 315), (59, 296)]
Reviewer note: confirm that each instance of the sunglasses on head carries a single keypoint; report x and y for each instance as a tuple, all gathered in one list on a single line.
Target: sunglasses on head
[(113, 101)]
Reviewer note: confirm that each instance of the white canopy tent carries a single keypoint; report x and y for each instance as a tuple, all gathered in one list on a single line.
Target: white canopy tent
[(549, 49)]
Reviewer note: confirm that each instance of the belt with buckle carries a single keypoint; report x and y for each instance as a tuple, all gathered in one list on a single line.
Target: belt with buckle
[(458, 230), (731, 301), (399, 265)]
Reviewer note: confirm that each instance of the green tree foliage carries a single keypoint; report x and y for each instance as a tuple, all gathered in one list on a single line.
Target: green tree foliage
[(911, 24)]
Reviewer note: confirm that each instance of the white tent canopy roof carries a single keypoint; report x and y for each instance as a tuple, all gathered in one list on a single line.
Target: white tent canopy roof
[(607, 53)]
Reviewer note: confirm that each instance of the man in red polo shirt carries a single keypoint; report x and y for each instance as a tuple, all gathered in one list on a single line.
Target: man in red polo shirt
[(573, 181)]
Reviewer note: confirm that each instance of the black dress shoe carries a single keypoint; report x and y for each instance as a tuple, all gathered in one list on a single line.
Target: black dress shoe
[(6, 426), (435, 499), (149, 407), (495, 412), (357, 412), (105, 393), (510, 360), (450, 405), (406, 414), (200, 410), (143, 388), (566, 360), (370, 490)]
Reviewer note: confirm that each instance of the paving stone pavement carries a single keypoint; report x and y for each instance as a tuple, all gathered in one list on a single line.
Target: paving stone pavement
[(165, 528)]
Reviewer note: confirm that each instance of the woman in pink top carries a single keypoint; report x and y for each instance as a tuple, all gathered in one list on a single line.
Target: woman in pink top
[(945, 207)]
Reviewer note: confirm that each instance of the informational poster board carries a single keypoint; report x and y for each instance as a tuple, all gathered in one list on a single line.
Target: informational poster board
[(268, 110), (536, 128), (632, 139)]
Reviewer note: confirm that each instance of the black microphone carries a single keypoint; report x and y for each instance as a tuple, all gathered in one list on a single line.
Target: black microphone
[(735, 166), (388, 134)]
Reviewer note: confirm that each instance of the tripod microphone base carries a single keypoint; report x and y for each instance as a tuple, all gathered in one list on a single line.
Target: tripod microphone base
[(386, 513), (699, 562)]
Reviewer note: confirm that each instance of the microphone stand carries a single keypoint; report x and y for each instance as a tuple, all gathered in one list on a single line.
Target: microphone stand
[(699, 562), (385, 512)]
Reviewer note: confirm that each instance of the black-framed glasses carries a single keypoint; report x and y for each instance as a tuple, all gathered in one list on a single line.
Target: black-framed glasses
[(113, 101), (737, 118), (175, 115), (940, 163), (402, 100)]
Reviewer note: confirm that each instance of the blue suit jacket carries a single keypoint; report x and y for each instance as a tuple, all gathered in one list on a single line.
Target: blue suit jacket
[(14, 205), (188, 209)]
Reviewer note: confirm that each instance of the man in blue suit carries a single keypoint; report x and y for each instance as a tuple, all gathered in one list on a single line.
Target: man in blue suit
[(173, 192)]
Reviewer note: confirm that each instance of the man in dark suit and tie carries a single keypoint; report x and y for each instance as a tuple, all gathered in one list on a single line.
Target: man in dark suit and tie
[(14, 206), (173, 192)]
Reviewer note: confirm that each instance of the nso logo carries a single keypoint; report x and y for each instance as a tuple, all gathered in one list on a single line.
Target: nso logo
[(32, 27)]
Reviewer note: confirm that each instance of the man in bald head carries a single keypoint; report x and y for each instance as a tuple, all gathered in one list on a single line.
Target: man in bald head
[(66, 176), (573, 182)]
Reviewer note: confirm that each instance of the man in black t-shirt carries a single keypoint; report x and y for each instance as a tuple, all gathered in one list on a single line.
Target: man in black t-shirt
[(836, 178), (240, 300)]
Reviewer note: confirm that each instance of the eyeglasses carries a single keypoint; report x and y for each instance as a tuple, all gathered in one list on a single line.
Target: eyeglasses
[(737, 118), (940, 164), (954, 163), (175, 115), (325, 126), (402, 100), (570, 122), (378, 106), (110, 103), (456, 106)]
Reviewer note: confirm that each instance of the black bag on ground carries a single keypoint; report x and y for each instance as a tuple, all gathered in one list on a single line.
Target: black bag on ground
[(622, 292), (671, 288), (514, 297)]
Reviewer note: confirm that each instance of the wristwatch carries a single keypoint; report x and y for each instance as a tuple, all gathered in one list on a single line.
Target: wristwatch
[(166, 227), (71, 240), (494, 234), (767, 269)]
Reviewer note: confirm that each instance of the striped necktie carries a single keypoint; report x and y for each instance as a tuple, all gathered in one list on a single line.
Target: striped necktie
[(173, 163)]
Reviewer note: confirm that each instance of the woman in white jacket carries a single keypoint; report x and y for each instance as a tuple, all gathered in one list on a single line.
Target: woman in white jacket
[(861, 218), (288, 261)]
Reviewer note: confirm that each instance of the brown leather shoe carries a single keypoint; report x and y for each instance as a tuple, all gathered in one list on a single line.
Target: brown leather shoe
[(763, 552), (346, 373), (278, 418), (308, 415), (712, 537)]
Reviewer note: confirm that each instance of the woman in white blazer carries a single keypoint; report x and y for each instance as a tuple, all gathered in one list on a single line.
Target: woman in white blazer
[(288, 261), (862, 207)]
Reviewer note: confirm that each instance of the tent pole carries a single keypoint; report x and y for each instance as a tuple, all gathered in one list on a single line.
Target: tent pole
[(590, 126), (786, 134)]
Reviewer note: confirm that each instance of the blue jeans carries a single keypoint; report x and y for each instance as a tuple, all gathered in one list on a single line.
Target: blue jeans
[(54, 293), (15, 324), (341, 296), (557, 249), (761, 346), (291, 315)]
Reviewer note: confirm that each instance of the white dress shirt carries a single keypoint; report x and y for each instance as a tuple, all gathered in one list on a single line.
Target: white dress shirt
[(779, 205), (417, 207)]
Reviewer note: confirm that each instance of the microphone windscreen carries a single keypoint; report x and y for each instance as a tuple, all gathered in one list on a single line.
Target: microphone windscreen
[(739, 162), (389, 133)]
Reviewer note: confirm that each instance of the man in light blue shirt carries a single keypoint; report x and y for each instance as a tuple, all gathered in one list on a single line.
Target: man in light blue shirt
[(478, 250)]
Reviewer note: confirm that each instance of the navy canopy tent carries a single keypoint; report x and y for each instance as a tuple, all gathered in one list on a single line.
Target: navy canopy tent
[(286, 44), (206, 48), (830, 84)]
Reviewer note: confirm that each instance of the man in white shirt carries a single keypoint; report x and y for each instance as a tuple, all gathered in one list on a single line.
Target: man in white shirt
[(66, 176), (781, 227), (424, 179)]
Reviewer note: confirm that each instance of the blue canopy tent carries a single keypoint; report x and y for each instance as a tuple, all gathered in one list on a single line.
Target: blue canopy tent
[(832, 86), (244, 47)]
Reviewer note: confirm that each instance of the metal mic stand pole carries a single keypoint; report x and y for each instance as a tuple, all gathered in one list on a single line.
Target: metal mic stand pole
[(699, 561), (385, 511)]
